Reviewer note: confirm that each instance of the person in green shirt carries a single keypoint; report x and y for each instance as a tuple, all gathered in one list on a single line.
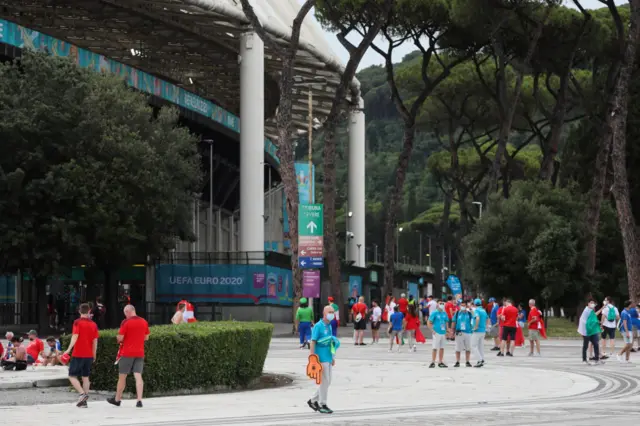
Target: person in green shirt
[(304, 322), (589, 328)]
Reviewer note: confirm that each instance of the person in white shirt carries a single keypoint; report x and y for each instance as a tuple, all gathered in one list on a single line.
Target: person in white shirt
[(610, 318), (376, 319), (432, 305)]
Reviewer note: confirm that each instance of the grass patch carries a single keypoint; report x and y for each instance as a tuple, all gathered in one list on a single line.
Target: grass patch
[(561, 327)]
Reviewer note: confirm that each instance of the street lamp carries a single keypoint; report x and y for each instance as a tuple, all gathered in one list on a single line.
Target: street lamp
[(348, 237), (479, 204), (210, 218), (398, 244)]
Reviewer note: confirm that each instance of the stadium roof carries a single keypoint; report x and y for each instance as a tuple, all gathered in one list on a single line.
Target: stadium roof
[(193, 44)]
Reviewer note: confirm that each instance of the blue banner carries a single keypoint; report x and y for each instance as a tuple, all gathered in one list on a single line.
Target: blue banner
[(454, 284), (355, 285), (242, 284), (25, 38), (7, 289), (306, 194), (413, 290)]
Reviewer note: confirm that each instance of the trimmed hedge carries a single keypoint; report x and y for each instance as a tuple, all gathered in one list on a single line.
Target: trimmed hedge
[(201, 355)]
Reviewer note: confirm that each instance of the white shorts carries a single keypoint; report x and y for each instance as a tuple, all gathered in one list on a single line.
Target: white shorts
[(439, 341), (627, 337), (463, 342)]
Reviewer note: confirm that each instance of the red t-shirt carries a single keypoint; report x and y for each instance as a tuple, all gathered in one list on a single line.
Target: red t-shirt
[(359, 308), (510, 316), (412, 322), (35, 348), (449, 309), (87, 332), (134, 330), (534, 312), (403, 305)]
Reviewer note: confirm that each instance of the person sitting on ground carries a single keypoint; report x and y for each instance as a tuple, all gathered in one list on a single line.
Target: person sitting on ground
[(35, 348), (18, 356), (178, 317), (9, 351), (52, 352)]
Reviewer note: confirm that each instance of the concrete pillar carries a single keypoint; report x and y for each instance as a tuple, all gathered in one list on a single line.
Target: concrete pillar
[(251, 142), (356, 186)]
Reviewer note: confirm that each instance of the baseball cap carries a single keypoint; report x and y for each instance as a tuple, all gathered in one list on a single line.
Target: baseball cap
[(477, 302), (303, 300), (330, 299), (492, 299)]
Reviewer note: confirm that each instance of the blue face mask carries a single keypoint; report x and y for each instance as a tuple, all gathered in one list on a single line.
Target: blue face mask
[(330, 317)]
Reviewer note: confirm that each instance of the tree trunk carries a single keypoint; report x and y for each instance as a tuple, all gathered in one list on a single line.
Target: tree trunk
[(42, 311), (557, 124), (394, 203), (619, 139), (329, 200), (508, 111)]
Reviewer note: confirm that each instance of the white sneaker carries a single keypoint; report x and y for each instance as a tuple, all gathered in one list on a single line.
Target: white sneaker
[(619, 358)]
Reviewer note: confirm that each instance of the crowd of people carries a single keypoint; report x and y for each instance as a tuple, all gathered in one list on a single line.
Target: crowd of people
[(16, 356)]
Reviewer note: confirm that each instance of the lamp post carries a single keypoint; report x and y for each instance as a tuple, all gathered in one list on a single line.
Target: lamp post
[(348, 236), (479, 204), (398, 244), (375, 253), (210, 215)]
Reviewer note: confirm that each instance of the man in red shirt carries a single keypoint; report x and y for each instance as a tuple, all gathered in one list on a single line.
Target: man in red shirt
[(84, 344), (359, 311), (134, 331), (534, 325), (35, 348), (403, 304), (509, 317), (450, 309)]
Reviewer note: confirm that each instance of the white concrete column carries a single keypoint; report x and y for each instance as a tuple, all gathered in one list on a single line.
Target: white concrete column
[(251, 142), (356, 199)]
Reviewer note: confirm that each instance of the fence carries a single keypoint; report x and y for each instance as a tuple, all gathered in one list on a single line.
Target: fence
[(161, 313), (18, 313), (226, 258)]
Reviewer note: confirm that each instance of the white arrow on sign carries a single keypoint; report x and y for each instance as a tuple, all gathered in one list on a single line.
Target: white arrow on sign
[(303, 263), (311, 226), (303, 252)]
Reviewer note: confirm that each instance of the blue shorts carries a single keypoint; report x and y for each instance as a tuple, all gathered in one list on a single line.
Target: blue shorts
[(80, 367)]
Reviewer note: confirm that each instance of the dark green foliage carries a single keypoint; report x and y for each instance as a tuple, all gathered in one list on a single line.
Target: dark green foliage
[(194, 356)]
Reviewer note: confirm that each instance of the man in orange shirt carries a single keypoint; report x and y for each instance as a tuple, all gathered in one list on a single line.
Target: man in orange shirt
[(134, 331), (84, 344), (359, 311)]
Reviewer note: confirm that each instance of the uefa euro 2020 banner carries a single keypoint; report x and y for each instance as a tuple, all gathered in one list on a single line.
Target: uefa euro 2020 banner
[(241, 284)]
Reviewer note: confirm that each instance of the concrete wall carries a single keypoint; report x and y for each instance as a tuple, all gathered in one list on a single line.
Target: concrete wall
[(276, 314)]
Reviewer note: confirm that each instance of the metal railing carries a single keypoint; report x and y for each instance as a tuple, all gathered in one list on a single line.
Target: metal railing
[(161, 313), (408, 267), (226, 258), (18, 313)]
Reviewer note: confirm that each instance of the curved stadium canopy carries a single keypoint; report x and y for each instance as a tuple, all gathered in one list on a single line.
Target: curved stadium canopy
[(193, 44)]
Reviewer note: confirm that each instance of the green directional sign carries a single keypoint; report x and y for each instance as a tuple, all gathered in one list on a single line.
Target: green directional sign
[(310, 220)]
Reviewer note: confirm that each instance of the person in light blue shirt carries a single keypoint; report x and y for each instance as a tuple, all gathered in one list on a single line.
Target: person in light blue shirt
[(626, 329), (493, 315), (438, 322), (480, 319), (461, 323), (395, 327), (324, 345)]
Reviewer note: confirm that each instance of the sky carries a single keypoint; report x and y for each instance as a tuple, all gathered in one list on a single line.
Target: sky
[(372, 58)]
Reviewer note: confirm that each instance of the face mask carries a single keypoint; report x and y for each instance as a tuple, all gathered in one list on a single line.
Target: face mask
[(462, 309), (441, 307), (592, 305), (330, 317)]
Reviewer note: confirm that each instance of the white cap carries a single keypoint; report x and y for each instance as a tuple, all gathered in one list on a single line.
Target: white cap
[(403, 295)]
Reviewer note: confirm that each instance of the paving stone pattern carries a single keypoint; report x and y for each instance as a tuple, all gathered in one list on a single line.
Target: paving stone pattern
[(374, 387)]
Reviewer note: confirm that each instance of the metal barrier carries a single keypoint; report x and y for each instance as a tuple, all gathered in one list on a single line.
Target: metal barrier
[(18, 313), (161, 313)]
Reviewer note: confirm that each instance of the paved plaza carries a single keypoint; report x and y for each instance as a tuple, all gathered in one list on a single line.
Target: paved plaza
[(374, 387)]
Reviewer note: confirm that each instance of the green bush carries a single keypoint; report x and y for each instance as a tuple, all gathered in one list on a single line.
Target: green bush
[(201, 355)]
